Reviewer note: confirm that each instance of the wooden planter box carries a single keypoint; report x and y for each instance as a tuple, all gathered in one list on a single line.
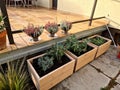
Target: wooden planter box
[(51, 79), (102, 48), (85, 58)]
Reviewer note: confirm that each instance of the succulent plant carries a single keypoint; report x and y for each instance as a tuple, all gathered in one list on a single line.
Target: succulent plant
[(65, 26), (52, 28), (1, 24), (33, 31)]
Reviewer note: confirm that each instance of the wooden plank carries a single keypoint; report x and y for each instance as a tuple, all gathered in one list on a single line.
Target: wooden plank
[(20, 43)]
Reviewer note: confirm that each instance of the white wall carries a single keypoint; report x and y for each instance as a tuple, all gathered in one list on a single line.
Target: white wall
[(114, 12), (45, 3), (76, 6), (84, 7)]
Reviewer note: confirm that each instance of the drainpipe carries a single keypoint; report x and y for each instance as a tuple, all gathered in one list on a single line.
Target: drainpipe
[(93, 11)]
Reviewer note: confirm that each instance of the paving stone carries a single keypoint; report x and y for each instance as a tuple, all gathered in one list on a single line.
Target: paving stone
[(108, 62), (117, 87), (118, 79), (86, 78)]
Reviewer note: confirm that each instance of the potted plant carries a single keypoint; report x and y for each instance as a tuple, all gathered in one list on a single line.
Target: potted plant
[(52, 28), (50, 68), (65, 26), (2, 34), (101, 42), (33, 31), (81, 51)]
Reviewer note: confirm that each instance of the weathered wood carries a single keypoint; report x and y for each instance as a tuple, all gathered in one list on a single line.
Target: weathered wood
[(51, 79)]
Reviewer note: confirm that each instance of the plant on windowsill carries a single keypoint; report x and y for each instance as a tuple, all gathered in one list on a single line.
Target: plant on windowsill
[(46, 68), (65, 26), (2, 34), (52, 28), (80, 50), (33, 31)]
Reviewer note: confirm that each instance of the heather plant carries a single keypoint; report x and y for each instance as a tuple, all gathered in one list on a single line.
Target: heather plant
[(52, 28), (65, 26), (33, 31)]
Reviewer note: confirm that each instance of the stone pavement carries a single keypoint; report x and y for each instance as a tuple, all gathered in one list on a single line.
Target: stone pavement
[(104, 72)]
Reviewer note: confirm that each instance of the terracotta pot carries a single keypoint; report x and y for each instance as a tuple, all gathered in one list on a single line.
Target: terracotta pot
[(3, 40)]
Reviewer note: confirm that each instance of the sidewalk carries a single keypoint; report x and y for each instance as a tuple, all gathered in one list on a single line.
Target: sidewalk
[(102, 72)]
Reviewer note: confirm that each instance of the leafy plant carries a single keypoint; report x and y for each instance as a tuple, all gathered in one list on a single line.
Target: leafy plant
[(52, 28), (15, 77), (57, 51), (65, 26), (1, 24), (33, 31), (74, 45), (45, 63), (97, 41)]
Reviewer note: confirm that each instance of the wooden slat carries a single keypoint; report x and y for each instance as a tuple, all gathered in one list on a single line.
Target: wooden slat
[(20, 43)]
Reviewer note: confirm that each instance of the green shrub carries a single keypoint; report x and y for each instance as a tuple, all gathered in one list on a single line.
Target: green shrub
[(45, 63), (57, 51), (97, 41), (74, 45)]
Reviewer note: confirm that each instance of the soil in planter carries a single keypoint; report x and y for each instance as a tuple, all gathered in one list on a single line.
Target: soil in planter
[(77, 54), (97, 42), (56, 65)]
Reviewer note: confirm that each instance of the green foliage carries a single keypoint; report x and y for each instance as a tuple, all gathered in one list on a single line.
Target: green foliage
[(45, 63), (70, 41), (97, 41), (1, 24), (74, 45), (57, 51), (15, 77)]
